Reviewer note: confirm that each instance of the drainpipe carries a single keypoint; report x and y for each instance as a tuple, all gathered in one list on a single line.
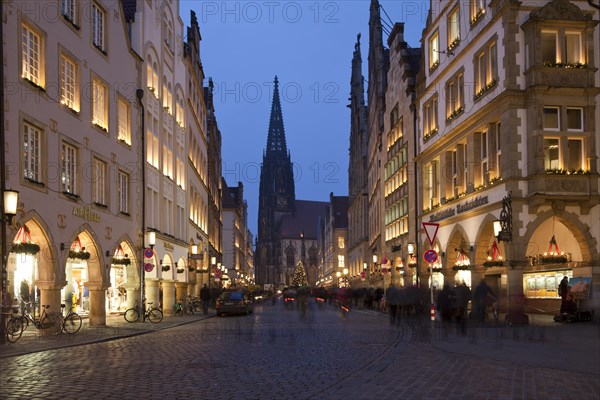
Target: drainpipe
[(140, 95)]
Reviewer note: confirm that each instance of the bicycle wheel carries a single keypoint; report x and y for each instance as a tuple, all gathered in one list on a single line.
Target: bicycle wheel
[(51, 324), (14, 329), (72, 323), (132, 315), (155, 315)]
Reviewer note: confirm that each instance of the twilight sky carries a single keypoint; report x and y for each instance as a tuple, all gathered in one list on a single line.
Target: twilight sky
[(309, 46)]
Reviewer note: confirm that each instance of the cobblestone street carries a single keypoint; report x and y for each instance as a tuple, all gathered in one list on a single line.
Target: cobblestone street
[(275, 354)]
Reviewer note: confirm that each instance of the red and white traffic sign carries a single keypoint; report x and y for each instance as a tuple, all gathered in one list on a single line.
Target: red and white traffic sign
[(431, 229), (430, 256), (148, 253)]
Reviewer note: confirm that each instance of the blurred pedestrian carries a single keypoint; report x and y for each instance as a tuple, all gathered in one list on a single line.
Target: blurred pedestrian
[(463, 296), (563, 291), (205, 298), (446, 305), (482, 297), (393, 299)]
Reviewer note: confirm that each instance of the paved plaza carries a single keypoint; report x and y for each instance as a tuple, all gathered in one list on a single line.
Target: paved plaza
[(277, 354)]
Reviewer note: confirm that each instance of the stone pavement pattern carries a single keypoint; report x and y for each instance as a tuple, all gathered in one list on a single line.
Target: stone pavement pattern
[(274, 354)]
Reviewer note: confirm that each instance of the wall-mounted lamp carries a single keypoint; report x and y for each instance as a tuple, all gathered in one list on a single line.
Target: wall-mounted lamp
[(11, 200), (151, 239), (410, 247), (364, 265), (374, 258)]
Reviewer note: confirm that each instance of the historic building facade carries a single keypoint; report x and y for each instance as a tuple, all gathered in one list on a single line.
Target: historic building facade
[(333, 266), (72, 119), (235, 217), (507, 105), (377, 84), (399, 185), (358, 244)]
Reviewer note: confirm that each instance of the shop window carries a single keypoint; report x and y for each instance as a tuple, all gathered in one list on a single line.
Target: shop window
[(544, 285), (551, 118)]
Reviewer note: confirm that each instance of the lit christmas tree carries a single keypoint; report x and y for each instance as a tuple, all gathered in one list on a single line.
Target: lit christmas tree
[(299, 278)]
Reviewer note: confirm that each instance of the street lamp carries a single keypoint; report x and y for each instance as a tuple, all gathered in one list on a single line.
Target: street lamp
[(151, 239), (9, 210)]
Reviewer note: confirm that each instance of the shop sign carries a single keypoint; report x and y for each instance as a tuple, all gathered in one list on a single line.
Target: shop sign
[(460, 208), (86, 213)]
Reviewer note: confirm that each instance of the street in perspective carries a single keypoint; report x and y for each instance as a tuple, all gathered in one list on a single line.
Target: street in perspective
[(282, 352), (366, 199)]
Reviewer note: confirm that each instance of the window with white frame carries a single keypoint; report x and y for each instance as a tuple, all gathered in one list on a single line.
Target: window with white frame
[(32, 137), (551, 153), (562, 47), (99, 181), (551, 118), (341, 261), (32, 55), (152, 143), (430, 118), (575, 119), (68, 168), (434, 51), (124, 116), (153, 210), (123, 192), (453, 28), (455, 97), (68, 8), (99, 104), (69, 88), (98, 27)]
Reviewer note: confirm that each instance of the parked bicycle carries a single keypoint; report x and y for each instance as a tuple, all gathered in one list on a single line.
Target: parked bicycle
[(13, 327), (72, 321), (48, 323), (179, 309), (152, 314)]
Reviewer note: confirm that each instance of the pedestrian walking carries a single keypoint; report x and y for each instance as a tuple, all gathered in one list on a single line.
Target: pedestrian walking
[(463, 296), (205, 298), (482, 297), (563, 291), (393, 299), (446, 305)]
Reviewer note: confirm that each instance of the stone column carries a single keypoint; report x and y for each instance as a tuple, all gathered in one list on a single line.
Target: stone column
[(168, 297), (477, 274), (449, 275), (152, 292), (181, 291), (133, 295), (97, 303), (199, 285), (50, 294)]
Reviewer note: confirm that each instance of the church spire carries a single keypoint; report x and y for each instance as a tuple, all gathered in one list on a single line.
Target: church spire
[(276, 139)]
